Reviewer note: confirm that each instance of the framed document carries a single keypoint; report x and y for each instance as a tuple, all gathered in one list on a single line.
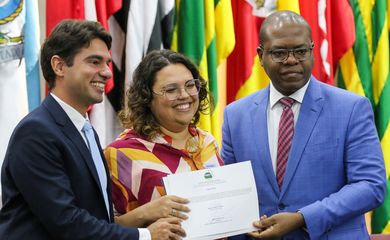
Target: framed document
[(223, 200)]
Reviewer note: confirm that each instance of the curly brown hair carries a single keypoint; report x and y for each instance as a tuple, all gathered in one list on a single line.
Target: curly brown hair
[(137, 114)]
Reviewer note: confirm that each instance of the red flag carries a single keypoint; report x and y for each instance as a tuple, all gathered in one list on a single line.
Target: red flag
[(333, 30), (104, 9), (343, 28), (241, 60), (59, 10)]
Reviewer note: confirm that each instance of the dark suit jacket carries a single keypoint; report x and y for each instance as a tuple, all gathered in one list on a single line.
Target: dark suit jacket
[(50, 186), (335, 171)]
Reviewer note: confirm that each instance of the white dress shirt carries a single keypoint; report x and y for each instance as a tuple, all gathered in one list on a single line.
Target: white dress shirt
[(78, 120), (274, 112)]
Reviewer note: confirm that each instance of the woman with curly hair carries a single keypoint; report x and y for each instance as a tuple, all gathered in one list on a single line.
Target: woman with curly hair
[(163, 106)]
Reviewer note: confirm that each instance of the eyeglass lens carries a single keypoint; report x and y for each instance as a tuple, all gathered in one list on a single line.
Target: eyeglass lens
[(172, 91), (281, 55)]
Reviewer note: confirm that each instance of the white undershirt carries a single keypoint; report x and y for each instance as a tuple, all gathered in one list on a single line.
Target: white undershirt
[(274, 112)]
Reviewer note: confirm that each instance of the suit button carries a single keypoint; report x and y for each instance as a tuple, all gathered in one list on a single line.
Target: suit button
[(281, 206)]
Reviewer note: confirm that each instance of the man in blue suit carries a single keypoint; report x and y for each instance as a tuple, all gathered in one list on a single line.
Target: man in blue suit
[(316, 156), (52, 186)]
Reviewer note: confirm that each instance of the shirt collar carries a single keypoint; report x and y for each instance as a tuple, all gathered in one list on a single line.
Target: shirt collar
[(77, 119), (275, 95)]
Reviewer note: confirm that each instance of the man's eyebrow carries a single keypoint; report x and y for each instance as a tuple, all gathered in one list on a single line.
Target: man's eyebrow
[(98, 57), (295, 47)]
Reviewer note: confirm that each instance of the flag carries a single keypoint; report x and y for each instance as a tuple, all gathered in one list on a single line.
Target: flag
[(225, 44), (18, 49), (102, 115), (198, 37), (31, 54), (365, 70), (137, 28), (56, 11), (13, 86), (245, 74)]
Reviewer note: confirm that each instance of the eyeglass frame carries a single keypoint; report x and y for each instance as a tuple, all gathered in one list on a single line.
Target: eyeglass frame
[(163, 89), (293, 50)]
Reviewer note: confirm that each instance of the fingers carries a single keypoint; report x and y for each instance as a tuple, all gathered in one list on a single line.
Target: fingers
[(262, 227), (178, 230), (172, 220), (267, 233), (178, 199), (266, 222), (180, 207), (254, 234), (175, 206), (259, 224), (178, 214), (166, 228)]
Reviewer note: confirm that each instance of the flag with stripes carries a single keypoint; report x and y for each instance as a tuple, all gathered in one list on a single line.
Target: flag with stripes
[(31, 54), (204, 33), (103, 116), (137, 28), (365, 70), (19, 47), (245, 74)]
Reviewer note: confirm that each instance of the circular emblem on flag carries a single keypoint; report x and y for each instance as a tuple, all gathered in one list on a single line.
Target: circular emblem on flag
[(10, 9)]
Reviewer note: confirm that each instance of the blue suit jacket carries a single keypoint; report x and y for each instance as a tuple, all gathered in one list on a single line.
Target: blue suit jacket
[(50, 186), (335, 171)]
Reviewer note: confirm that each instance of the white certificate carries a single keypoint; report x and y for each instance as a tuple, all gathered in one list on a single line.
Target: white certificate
[(223, 200)]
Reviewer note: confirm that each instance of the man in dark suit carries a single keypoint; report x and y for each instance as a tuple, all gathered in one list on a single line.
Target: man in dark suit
[(52, 186), (314, 148)]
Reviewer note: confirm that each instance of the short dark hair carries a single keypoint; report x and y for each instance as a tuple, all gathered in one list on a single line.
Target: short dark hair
[(66, 40), (137, 114)]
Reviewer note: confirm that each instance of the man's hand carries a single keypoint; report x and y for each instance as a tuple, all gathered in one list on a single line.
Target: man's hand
[(277, 225), (166, 228)]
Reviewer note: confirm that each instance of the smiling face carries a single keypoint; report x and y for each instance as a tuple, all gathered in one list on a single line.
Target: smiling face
[(82, 84), (173, 115), (290, 75)]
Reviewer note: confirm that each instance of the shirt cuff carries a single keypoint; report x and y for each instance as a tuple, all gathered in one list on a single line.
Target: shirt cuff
[(144, 234), (304, 228)]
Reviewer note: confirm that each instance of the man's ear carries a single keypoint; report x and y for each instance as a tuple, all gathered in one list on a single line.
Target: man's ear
[(58, 65), (260, 54)]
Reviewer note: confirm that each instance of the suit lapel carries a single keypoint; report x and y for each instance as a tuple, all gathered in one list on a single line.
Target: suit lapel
[(260, 136), (310, 110), (70, 131)]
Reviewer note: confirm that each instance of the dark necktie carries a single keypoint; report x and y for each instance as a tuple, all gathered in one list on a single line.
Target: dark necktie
[(97, 160), (286, 133)]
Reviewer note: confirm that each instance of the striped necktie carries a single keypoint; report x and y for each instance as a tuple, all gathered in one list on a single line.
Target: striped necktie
[(286, 133)]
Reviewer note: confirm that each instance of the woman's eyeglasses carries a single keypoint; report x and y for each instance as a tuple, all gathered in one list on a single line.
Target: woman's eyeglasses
[(173, 91)]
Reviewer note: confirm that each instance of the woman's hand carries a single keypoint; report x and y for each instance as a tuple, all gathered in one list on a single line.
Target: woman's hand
[(166, 206)]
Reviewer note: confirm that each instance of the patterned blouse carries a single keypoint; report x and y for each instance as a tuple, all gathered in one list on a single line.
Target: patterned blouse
[(137, 165)]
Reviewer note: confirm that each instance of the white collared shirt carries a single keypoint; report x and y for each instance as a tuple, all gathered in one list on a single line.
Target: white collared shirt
[(78, 120), (274, 112)]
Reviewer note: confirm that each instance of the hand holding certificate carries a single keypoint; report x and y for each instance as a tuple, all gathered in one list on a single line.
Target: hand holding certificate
[(223, 200)]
